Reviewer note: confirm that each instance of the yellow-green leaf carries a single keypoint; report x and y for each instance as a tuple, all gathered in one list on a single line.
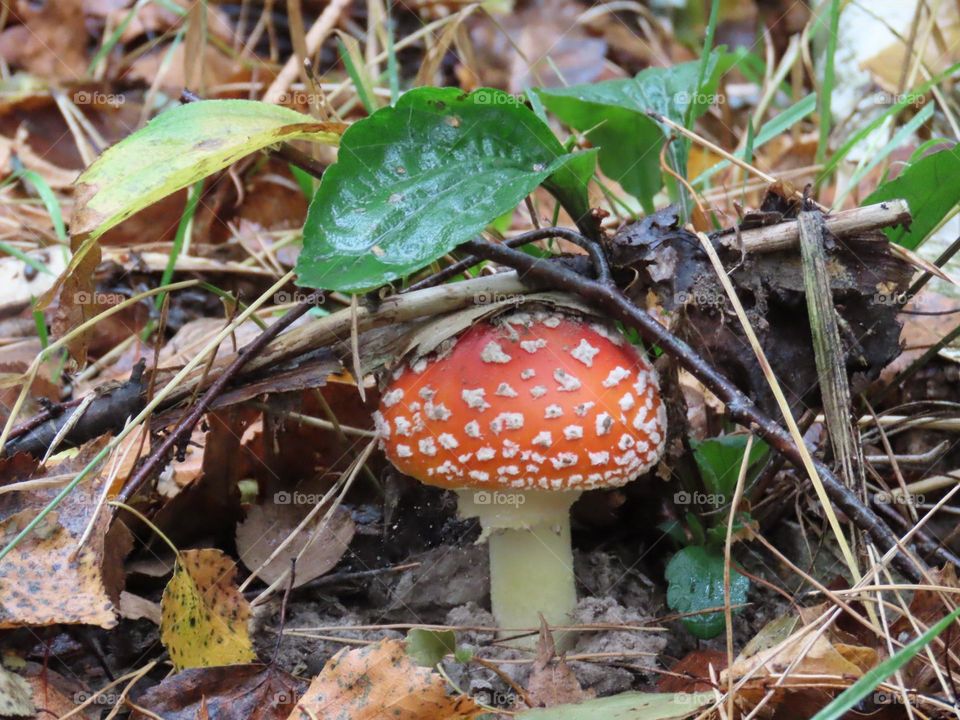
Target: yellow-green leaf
[(179, 147), (203, 615)]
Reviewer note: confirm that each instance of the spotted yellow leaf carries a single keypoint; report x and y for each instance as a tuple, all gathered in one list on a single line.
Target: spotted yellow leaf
[(203, 615)]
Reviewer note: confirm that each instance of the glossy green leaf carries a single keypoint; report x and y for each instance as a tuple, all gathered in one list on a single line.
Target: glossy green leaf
[(931, 186), (415, 180), (695, 582), (627, 706), (719, 460), (179, 147), (613, 116)]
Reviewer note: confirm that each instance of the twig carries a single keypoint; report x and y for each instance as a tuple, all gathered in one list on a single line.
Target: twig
[(786, 235), (596, 256), (740, 407), (185, 427)]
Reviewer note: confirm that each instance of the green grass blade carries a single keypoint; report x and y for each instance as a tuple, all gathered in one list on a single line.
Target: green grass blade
[(908, 99), (826, 87), (49, 200), (186, 222), (23, 257), (704, 58), (393, 68), (868, 683), (899, 138)]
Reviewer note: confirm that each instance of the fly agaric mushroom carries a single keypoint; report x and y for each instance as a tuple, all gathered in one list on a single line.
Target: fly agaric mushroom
[(519, 415)]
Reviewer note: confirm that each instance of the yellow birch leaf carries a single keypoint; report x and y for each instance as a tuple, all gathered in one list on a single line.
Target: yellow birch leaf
[(203, 615)]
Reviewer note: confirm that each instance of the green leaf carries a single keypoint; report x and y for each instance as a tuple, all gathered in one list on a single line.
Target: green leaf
[(176, 149), (719, 460), (613, 116), (429, 647), (931, 186), (871, 679), (695, 582), (626, 706), (415, 180)]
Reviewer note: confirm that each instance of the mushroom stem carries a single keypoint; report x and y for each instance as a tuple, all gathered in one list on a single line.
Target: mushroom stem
[(531, 560)]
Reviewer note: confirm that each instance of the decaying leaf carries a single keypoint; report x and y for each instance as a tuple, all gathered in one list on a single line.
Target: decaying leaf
[(203, 616), (380, 681), (16, 696), (804, 656), (266, 526), (44, 580), (552, 683), (253, 692)]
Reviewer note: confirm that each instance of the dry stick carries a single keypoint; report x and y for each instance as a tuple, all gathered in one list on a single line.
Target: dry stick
[(185, 426), (315, 37), (468, 262), (740, 407)]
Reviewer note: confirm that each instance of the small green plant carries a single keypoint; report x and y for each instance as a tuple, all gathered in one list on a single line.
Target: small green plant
[(695, 574)]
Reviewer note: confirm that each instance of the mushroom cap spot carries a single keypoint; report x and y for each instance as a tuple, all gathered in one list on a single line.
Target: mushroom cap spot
[(475, 429)]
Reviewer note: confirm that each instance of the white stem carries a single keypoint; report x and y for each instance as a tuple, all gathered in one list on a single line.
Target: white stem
[(531, 561)]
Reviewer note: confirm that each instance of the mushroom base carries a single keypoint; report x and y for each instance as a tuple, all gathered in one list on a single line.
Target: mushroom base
[(531, 560)]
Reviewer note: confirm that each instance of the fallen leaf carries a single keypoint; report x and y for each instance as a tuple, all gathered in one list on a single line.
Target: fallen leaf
[(380, 681), (552, 683), (16, 696), (251, 692), (43, 580), (266, 526), (692, 672), (50, 42), (53, 694), (204, 617)]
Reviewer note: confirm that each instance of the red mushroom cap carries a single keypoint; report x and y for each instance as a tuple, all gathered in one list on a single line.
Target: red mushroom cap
[(529, 400)]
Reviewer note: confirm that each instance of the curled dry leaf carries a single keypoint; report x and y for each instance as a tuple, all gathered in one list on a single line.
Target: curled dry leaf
[(252, 692), (553, 683), (203, 615), (266, 526), (44, 580), (380, 681)]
